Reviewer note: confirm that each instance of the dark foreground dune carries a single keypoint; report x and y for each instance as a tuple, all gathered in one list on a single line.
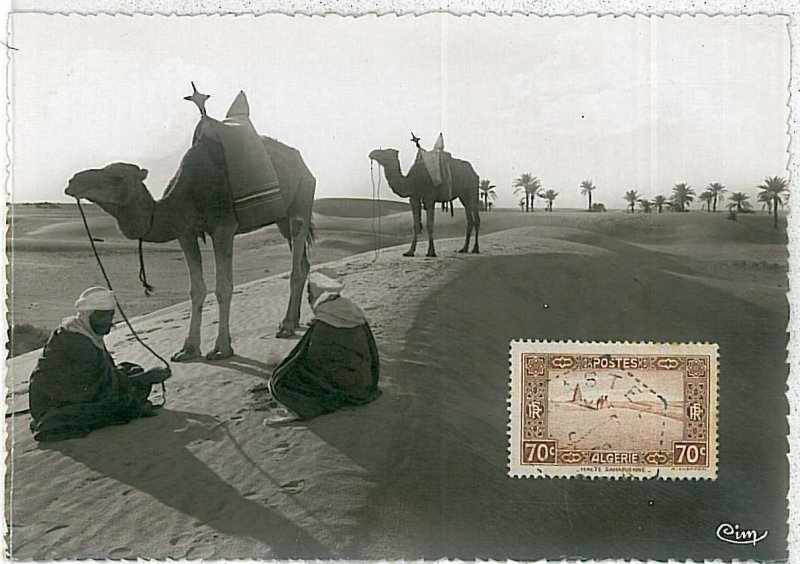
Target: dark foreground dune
[(421, 472)]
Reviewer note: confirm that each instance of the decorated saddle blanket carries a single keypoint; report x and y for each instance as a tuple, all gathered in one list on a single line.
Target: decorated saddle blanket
[(257, 197), (438, 165)]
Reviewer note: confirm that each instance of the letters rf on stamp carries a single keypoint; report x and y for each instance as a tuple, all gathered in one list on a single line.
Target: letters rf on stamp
[(640, 410)]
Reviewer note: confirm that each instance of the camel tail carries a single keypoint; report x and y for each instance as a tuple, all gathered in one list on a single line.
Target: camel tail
[(286, 229)]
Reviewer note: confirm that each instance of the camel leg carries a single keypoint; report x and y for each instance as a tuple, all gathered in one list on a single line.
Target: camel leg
[(297, 279), (222, 238), (416, 211), (477, 223), (197, 293), (430, 210), (468, 213)]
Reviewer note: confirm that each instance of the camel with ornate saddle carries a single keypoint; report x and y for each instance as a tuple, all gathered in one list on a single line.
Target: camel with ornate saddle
[(456, 179), (231, 180)]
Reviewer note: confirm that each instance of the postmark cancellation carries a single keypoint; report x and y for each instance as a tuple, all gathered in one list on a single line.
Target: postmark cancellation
[(616, 410)]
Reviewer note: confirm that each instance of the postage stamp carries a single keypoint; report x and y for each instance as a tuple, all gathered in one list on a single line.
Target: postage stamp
[(614, 410)]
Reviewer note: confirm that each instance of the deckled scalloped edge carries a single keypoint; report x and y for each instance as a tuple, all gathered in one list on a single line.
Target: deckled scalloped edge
[(631, 478), (405, 7), (658, 8)]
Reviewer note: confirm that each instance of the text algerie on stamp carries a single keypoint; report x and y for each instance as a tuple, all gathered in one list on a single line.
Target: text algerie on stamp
[(621, 410)]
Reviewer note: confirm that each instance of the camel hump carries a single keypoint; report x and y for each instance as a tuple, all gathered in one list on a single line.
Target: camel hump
[(272, 145), (286, 158)]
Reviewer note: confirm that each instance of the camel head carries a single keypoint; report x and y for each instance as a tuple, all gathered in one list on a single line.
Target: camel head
[(120, 191), (385, 157)]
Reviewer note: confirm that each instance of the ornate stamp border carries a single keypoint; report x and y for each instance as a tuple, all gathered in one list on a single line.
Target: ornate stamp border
[(688, 452)]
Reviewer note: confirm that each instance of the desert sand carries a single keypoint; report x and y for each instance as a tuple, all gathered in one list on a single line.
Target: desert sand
[(421, 472)]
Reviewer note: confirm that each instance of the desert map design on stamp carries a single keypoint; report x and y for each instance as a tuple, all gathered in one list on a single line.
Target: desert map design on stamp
[(639, 410)]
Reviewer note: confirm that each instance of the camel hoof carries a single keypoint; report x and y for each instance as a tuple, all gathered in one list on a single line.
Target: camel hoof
[(464, 250), (431, 254), (217, 354), (476, 251), (408, 254), (284, 333), (185, 355)]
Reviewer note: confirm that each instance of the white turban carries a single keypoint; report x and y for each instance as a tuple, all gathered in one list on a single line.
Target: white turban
[(96, 298), (323, 285)]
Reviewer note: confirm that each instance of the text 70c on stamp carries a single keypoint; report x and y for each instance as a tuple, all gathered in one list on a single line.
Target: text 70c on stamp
[(638, 410)]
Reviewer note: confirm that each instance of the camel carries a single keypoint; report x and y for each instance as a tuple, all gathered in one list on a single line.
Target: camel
[(418, 186), (197, 202)]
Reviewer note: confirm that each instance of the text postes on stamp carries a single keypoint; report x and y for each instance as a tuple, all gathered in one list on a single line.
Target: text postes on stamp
[(621, 410)]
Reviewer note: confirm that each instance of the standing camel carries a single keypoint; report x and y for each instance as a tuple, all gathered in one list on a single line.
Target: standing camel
[(197, 202), (418, 186)]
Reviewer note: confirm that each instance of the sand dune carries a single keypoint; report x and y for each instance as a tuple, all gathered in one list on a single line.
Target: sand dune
[(358, 207), (421, 472)]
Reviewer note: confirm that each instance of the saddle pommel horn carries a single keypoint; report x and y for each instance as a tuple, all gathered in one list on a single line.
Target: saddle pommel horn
[(199, 99)]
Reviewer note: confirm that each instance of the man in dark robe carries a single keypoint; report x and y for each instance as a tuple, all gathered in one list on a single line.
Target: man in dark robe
[(76, 386), (335, 364)]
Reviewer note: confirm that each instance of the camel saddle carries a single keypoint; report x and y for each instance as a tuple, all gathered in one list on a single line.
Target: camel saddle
[(437, 162), (257, 197)]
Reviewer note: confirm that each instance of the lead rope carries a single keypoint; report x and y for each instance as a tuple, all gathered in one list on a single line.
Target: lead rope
[(148, 289), (376, 197), (142, 277)]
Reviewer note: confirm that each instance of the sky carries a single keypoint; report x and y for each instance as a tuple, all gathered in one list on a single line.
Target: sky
[(630, 103)]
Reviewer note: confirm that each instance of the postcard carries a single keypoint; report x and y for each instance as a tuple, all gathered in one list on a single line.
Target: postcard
[(398, 287)]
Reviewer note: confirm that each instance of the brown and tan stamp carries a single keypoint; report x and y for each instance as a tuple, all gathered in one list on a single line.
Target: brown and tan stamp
[(621, 410)]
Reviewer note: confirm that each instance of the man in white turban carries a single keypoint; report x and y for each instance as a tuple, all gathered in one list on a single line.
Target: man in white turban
[(76, 386), (336, 363)]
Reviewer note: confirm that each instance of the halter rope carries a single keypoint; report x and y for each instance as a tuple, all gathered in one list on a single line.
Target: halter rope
[(119, 306), (376, 191)]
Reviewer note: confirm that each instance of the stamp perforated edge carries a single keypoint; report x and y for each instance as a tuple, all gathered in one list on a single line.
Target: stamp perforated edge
[(514, 391)]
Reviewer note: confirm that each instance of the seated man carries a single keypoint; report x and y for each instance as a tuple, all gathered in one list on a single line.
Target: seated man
[(76, 387), (335, 363)]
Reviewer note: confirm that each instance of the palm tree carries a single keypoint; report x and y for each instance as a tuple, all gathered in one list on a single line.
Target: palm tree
[(739, 201), (776, 189), (682, 196), (646, 205), (632, 196), (587, 187), (766, 201), (487, 189), (549, 195), (659, 202), (707, 198), (530, 185), (717, 190)]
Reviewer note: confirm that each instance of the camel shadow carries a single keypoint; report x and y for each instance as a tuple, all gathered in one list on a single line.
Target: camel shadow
[(152, 455), (244, 364)]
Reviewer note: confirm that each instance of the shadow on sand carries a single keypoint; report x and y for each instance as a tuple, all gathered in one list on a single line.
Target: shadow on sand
[(435, 443), (153, 457), (243, 364)]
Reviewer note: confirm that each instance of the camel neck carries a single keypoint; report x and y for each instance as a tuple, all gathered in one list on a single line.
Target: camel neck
[(163, 220), (397, 182)]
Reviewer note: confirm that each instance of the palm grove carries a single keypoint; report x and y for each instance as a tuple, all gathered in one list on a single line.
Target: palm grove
[(773, 194)]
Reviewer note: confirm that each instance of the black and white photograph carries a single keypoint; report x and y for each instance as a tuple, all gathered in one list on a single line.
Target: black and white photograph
[(398, 287)]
